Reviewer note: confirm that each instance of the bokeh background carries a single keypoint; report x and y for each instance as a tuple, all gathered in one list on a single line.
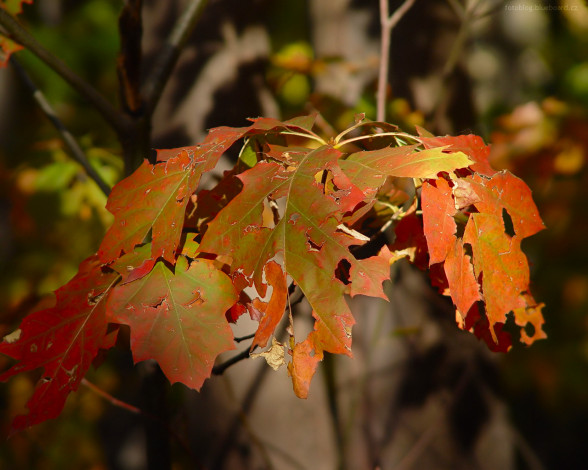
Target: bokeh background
[(514, 72)]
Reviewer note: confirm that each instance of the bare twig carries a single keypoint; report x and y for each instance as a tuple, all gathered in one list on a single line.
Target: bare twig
[(69, 139), (138, 411), (387, 23), (168, 57), (239, 339), (112, 400), (118, 121), (220, 368)]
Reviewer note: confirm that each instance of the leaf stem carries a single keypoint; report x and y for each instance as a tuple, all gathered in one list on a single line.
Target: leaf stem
[(352, 128), (387, 24), (69, 139), (371, 136), (118, 121), (310, 135)]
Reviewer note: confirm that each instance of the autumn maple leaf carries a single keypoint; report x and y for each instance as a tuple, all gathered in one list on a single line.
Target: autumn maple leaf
[(176, 317), (62, 340)]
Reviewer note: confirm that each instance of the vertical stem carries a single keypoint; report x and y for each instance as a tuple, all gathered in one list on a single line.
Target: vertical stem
[(384, 61), (387, 25)]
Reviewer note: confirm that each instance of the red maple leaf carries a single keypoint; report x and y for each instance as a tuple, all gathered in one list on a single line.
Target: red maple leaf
[(155, 198), (62, 340), (504, 191), (176, 317)]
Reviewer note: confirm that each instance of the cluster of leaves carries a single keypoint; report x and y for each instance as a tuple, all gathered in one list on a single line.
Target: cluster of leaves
[(180, 263), (546, 143)]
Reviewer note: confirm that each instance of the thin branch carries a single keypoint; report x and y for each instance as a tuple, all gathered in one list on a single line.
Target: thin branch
[(384, 61), (119, 122), (399, 13), (387, 24), (220, 368), (69, 139), (112, 400), (138, 411), (168, 57), (239, 339)]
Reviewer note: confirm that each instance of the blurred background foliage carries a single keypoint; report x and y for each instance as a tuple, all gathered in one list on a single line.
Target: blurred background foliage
[(527, 67)]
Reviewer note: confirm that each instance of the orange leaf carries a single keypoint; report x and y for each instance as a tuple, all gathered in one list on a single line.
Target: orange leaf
[(274, 309)]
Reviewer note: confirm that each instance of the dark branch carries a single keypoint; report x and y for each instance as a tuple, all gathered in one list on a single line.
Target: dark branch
[(243, 338), (220, 368), (69, 139), (117, 120)]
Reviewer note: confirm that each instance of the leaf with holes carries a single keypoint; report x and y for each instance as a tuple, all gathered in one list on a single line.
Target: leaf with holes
[(176, 317), (472, 145), (500, 264), (505, 192)]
